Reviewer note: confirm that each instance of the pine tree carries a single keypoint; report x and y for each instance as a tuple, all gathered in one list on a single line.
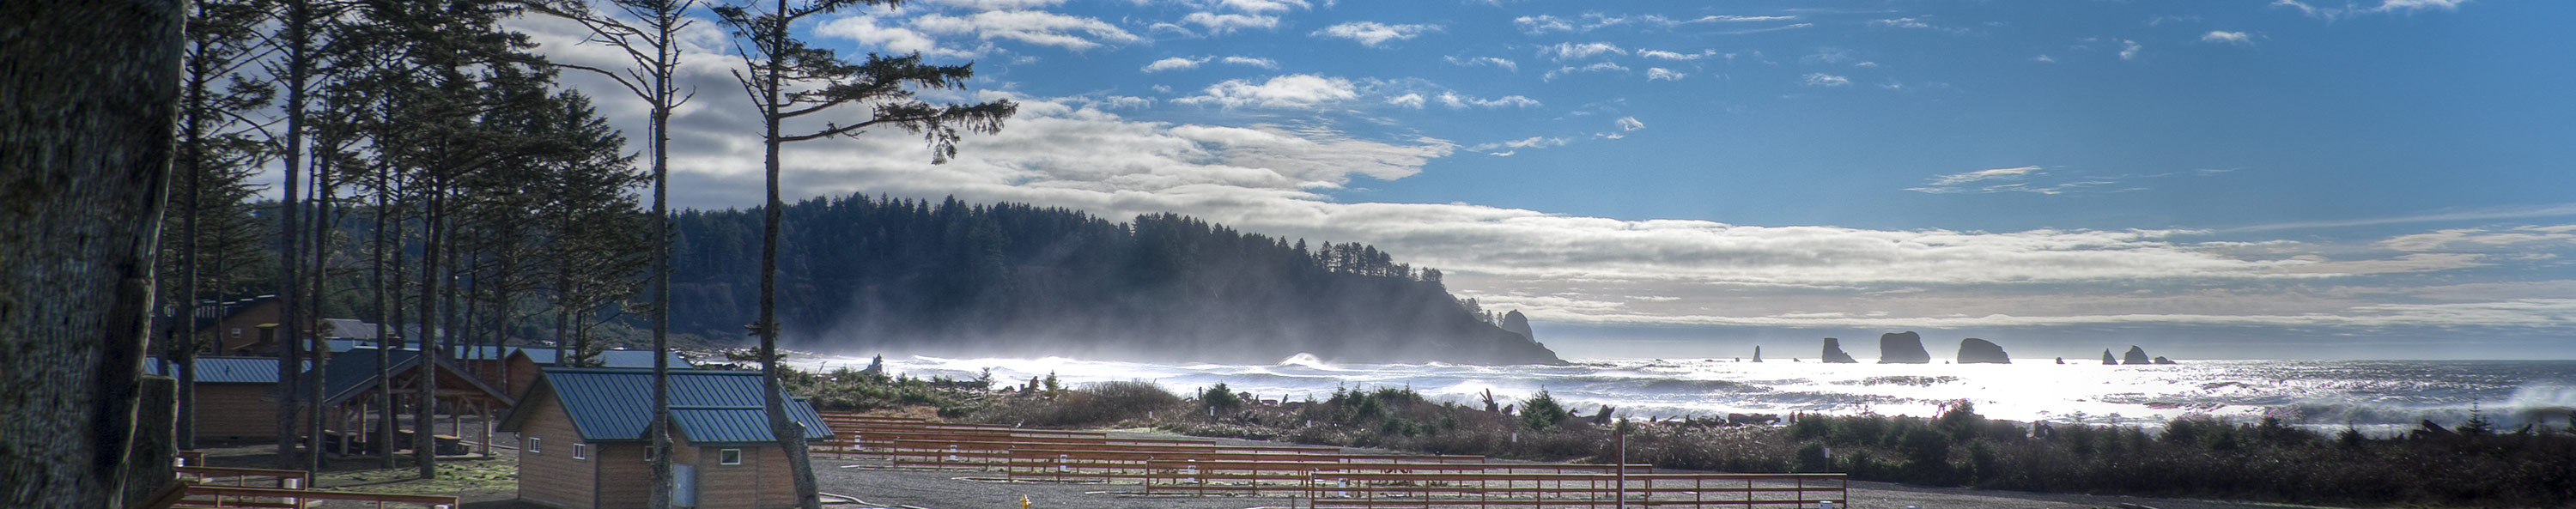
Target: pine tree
[(824, 84)]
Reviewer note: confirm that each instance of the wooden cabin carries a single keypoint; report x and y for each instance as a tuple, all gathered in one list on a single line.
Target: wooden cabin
[(236, 397), (582, 440), (242, 327)]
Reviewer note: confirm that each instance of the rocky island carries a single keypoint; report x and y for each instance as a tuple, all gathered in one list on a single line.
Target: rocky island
[(1979, 351), (1902, 348), (1834, 353)]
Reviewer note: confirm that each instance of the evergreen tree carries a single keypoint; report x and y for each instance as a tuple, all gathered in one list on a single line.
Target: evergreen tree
[(788, 79)]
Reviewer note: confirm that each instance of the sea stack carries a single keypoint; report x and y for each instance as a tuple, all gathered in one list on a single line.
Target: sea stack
[(2108, 360), (2161, 360), (1979, 351), (1834, 352), (2061, 360), (1514, 323), (1902, 348), (1757, 353), (2135, 356)]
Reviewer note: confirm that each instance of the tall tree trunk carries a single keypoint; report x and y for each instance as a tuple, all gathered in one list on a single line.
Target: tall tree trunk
[(322, 191), (661, 319), (425, 401), (790, 434), (290, 348), (86, 139), (384, 431), (192, 165)]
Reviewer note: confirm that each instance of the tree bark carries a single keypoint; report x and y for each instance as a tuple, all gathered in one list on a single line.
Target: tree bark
[(290, 347), (86, 139), (791, 436)]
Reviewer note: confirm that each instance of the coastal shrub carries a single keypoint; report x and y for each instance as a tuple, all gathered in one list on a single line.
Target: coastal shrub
[(1810, 427), (1812, 458), (1220, 399), (1096, 404), (1542, 411)]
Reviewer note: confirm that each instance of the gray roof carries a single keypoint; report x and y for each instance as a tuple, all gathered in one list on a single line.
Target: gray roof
[(610, 358), (352, 374), (707, 407), (223, 370), (349, 328)]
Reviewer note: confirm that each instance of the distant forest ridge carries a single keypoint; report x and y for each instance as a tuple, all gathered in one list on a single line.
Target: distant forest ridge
[(861, 275)]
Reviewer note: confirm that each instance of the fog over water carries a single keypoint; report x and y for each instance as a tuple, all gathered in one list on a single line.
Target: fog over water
[(2380, 396)]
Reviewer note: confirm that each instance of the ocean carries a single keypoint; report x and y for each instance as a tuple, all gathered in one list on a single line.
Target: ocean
[(2379, 397)]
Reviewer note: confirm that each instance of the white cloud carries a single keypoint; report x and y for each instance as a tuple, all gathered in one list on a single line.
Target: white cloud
[(1410, 100), (2482, 239), (1792, 26), (1659, 73), (2225, 37), (1572, 51), (1595, 67), (1506, 64), (1033, 27), (1740, 19), (2525, 212), (1668, 55), (1294, 91), (1219, 24), (1120, 102), (2129, 49), (2385, 6), (890, 39), (1530, 142), (1917, 24), (1174, 64), (1545, 24), (1000, 5), (2044, 59), (1250, 61), (1984, 175), (1630, 124), (1541, 24), (1372, 34), (1455, 101), (1261, 6), (1824, 80)]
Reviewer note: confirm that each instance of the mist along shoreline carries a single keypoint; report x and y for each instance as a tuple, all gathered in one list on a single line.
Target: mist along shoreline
[(2192, 458)]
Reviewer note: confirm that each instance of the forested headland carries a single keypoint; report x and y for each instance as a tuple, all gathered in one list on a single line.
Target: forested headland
[(864, 275)]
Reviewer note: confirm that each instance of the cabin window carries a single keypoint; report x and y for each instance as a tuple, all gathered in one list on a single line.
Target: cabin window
[(581, 451), (651, 452), (729, 456), (535, 445)]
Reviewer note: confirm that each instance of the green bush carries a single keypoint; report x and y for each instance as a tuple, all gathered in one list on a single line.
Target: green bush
[(1542, 411)]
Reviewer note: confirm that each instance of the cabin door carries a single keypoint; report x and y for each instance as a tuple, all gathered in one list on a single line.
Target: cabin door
[(684, 485)]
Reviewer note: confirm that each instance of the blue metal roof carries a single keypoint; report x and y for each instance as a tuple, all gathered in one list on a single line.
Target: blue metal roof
[(635, 359), (708, 407), (223, 370)]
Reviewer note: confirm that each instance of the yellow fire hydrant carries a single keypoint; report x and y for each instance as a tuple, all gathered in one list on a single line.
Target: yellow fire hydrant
[(1024, 502)]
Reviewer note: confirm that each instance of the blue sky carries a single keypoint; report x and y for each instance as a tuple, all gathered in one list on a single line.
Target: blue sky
[(2376, 178)]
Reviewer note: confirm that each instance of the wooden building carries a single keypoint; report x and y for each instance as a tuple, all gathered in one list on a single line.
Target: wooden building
[(236, 397), (350, 384), (582, 440)]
